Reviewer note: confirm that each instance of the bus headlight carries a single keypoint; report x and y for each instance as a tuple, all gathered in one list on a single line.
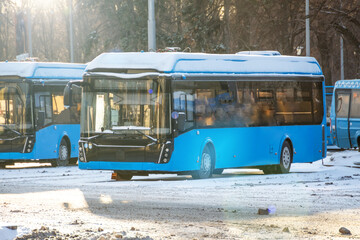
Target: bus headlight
[(82, 150), (29, 144), (165, 154)]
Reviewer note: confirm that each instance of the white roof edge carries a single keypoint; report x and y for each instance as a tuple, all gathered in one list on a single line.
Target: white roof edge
[(42, 69), (177, 62), (347, 83), (263, 53)]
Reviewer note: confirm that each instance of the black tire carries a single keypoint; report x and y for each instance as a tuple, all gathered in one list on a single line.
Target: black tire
[(286, 158), (207, 165), (123, 176), (64, 154), (272, 169), (73, 161), (218, 171)]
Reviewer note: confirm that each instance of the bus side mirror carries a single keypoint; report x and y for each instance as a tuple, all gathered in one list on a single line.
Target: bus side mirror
[(181, 121), (67, 95), (72, 88)]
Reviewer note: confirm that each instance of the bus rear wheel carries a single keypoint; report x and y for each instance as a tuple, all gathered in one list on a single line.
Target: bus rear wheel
[(64, 154), (286, 159), (207, 165)]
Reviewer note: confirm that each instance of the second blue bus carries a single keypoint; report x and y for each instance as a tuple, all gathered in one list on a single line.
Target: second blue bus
[(34, 123)]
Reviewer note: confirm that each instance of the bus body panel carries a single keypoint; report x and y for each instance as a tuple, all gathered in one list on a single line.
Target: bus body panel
[(354, 130), (49, 138), (47, 144), (342, 132), (234, 147)]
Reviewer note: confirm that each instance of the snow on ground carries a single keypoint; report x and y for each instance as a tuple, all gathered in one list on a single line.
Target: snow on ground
[(313, 201)]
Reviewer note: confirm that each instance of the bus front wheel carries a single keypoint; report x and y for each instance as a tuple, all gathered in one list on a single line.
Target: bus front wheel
[(64, 154), (121, 176), (207, 165)]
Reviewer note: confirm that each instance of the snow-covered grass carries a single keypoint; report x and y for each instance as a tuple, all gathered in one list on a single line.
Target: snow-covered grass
[(329, 186)]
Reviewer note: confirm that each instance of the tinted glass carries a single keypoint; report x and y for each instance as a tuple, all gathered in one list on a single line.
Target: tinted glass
[(115, 105), (342, 105), (15, 109), (252, 103), (355, 104)]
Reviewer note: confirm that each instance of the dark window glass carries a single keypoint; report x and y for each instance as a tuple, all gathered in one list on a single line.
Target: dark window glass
[(255, 103)]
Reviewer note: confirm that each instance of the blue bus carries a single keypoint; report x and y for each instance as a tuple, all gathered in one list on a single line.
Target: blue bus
[(195, 113), (329, 96), (345, 114), (34, 123)]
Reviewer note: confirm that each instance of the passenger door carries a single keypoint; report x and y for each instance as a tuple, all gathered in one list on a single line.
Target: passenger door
[(342, 105)]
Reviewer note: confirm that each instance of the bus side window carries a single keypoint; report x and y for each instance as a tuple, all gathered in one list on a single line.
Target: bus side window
[(284, 105), (355, 104), (43, 109), (204, 104), (184, 102), (190, 108), (317, 97)]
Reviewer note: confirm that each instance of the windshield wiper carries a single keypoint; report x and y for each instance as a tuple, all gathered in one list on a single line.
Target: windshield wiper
[(107, 131), (149, 137), (12, 130), (120, 128), (137, 129)]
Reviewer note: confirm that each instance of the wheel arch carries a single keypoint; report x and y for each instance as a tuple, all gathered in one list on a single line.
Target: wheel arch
[(67, 140), (208, 142), (357, 137), (285, 138)]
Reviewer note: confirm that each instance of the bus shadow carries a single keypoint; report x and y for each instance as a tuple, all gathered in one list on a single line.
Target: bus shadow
[(174, 177)]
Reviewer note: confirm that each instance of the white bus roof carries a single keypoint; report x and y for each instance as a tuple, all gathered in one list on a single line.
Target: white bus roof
[(354, 83), (41, 70), (263, 53), (201, 63)]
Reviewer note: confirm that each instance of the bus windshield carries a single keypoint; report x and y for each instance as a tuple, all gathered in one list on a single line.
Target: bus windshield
[(130, 106), (15, 109)]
